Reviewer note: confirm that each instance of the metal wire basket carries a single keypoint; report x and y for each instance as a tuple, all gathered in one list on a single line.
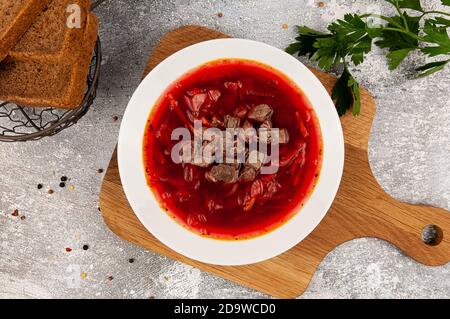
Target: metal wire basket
[(19, 123)]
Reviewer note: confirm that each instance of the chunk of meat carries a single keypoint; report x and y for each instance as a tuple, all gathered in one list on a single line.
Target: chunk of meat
[(267, 124), (227, 174), (265, 135), (247, 125), (231, 121), (250, 134), (248, 174), (255, 159), (260, 113)]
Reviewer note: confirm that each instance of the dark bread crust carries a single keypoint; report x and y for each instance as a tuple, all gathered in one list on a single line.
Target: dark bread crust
[(49, 38), (58, 84), (23, 18), (81, 69)]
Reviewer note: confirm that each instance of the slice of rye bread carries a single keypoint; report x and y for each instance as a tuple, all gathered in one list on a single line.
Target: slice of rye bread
[(16, 16), (59, 84), (50, 38)]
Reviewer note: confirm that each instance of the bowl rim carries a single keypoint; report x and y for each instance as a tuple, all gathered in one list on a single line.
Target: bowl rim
[(146, 206)]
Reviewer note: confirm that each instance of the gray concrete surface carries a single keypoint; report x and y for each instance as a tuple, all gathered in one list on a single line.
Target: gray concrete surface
[(409, 153)]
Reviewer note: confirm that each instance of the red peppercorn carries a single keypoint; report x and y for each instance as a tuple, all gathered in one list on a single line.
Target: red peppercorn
[(68, 249)]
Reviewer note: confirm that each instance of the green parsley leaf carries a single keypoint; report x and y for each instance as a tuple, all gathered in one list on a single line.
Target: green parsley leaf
[(446, 2), (399, 44), (436, 35), (305, 41), (354, 86), (327, 52), (407, 4), (346, 94), (431, 68), (352, 26), (439, 21), (396, 57), (362, 47), (394, 40), (355, 37), (294, 48)]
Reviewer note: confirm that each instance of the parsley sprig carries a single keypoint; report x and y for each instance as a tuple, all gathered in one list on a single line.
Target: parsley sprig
[(350, 39)]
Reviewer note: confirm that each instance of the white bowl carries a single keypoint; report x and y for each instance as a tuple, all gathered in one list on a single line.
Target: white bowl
[(171, 233)]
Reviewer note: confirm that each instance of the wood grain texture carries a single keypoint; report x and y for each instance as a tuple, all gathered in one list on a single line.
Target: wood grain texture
[(361, 207)]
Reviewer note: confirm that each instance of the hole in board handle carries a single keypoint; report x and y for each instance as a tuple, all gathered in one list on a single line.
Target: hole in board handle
[(432, 235)]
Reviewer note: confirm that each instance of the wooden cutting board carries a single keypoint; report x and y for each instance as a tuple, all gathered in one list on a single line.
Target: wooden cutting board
[(361, 207)]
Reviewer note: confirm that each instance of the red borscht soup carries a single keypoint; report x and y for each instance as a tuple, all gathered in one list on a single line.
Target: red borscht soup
[(233, 201)]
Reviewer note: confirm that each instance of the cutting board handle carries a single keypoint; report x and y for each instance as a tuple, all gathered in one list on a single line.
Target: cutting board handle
[(373, 212), (363, 209)]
